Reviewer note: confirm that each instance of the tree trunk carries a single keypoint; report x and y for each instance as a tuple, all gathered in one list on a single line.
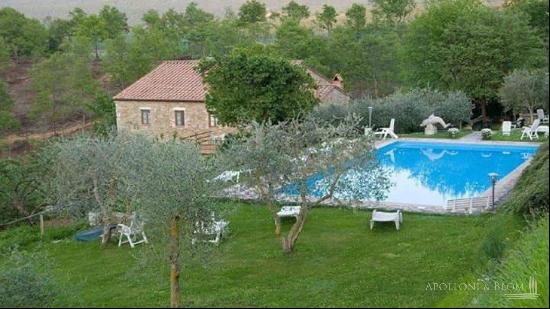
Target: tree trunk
[(174, 265), (106, 237), (289, 241), (277, 225), (531, 114), (483, 106)]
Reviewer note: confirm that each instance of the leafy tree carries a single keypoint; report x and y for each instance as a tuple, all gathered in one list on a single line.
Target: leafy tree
[(21, 192), (286, 155), (245, 88), (198, 24), (393, 11), (537, 12), (152, 18), (367, 59), (356, 16), (93, 28), (63, 83), (127, 59), (114, 21), (252, 12), (77, 16), (460, 45), (104, 109), (295, 11), (295, 41), (23, 36), (59, 30), (327, 17), (524, 90)]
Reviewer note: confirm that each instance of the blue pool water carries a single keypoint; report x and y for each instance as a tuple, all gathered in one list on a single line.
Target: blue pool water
[(431, 173)]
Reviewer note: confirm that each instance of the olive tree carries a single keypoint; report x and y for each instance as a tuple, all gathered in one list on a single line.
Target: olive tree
[(170, 185), (307, 162), (524, 90), (86, 176)]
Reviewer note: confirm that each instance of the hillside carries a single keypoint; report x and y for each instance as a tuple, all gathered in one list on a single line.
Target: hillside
[(135, 8)]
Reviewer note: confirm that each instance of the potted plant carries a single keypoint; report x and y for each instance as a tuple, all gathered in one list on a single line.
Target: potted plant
[(486, 134), (453, 132)]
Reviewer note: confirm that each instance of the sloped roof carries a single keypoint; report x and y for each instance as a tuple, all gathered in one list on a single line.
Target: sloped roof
[(174, 80), (177, 81)]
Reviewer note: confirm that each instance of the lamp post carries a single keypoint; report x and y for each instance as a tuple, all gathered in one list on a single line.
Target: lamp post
[(370, 117), (368, 129), (493, 177)]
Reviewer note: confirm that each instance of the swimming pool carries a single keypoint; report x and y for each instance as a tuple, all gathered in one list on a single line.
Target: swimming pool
[(431, 173)]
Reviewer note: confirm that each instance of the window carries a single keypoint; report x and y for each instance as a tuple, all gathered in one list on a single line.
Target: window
[(180, 118), (146, 116), (213, 121)]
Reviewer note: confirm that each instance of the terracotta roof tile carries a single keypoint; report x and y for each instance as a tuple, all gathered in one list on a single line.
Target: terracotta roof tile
[(177, 80), (170, 81)]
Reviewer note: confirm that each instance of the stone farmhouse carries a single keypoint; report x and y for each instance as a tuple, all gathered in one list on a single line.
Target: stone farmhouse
[(170, 102)]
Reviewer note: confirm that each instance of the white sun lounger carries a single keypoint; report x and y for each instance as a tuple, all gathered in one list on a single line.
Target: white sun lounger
[(289, 211), (506, 128), (380, 216), (384, 132), (531, 131)]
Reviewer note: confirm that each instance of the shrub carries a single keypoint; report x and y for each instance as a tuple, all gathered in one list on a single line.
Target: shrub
[(24, 283), (334, 113), (411, 108)]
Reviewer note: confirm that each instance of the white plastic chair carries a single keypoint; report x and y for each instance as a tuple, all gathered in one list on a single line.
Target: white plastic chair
[(531, 131), (384, 132), (213, 228), (380, 216), (507, 128), (540, 114), (131, 233)]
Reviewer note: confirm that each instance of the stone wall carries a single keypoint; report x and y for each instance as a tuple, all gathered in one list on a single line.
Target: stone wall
[(163, 119)]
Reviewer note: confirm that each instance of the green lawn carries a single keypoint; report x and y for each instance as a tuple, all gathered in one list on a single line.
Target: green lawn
[(338, 262), (515, 136)]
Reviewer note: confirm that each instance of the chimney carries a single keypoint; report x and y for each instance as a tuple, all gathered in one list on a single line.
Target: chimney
[(338, 81)]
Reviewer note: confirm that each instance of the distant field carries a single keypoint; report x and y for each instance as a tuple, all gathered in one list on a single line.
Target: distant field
[(134, 9)]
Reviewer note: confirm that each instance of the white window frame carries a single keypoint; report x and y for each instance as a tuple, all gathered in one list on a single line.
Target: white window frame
[(174, 112), (141, 110)]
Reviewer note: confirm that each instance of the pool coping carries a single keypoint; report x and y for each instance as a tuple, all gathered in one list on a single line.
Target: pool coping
[(502, 187)]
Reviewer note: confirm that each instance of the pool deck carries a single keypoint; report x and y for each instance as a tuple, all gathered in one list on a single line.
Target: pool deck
[(502, 187)]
